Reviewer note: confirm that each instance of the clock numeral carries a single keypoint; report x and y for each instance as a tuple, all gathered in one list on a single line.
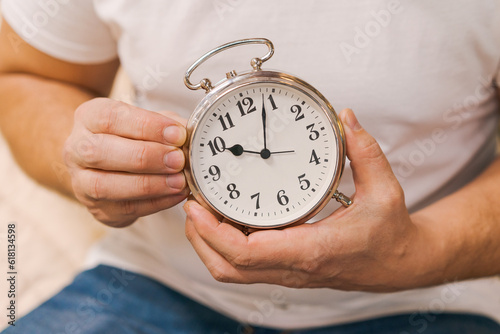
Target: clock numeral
[(304, 183), (224, 119), (282, 198), (314, 134), (233, 193), (257, 204), (273, 105), (314, 158), (247, 102), (217, 145), (215, 172), (296, 109)]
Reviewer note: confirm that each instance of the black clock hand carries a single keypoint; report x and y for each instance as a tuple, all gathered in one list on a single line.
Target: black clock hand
[(265, 153), (238, 150), (278, 152), (264, 121)]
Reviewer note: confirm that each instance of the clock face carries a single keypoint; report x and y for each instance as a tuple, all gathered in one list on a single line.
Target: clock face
[(265, 154)]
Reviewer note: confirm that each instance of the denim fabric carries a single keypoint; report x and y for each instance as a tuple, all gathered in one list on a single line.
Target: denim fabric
[(107, 300)]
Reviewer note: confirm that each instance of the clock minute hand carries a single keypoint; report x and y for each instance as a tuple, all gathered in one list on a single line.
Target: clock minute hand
[(264, 116), (265, 153)]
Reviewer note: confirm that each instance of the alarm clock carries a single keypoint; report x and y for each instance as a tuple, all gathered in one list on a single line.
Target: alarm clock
[(265, 149)]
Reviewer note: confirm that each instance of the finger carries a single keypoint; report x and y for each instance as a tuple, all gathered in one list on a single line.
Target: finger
[(122, 119), (268, 249), (224, 271), (98, 185), (124, 213), (369, 164), (218, 266), (175, 117), (113, 153)]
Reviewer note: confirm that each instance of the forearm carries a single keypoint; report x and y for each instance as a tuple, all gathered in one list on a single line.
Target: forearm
[(36, 117), (463, 231)]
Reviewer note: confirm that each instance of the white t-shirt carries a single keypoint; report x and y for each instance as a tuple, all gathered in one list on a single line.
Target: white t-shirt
[(418, 74)]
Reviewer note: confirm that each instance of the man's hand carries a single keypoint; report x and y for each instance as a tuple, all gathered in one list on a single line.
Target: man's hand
[(373, 245), (125, 162)]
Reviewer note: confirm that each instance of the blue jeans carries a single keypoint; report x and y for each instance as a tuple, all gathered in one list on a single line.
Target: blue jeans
[(107, 300)]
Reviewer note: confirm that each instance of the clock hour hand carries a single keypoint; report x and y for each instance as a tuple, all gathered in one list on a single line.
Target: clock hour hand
[(238, 150)]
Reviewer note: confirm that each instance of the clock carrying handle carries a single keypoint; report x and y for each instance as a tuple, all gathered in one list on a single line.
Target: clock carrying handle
[(256, 62)]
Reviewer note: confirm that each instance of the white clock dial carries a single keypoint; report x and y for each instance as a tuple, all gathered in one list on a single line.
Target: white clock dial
[(265, 154)]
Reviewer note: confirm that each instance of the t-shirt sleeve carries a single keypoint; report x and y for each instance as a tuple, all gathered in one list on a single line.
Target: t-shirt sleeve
[(69, 30)]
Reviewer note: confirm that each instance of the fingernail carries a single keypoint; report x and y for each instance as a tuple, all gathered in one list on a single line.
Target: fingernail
[(189, 207), (174, 159), (176, 181), (351, 120), (173, 134)]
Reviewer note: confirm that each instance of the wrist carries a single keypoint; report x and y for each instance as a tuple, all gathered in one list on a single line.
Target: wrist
[(435, 251)]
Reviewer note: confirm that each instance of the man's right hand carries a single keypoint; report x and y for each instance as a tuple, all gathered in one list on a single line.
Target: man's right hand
[(125, 162)]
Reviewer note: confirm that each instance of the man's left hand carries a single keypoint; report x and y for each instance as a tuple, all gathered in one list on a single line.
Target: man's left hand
[(373, 245)]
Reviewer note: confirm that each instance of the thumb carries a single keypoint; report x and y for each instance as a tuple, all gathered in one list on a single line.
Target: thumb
[(372, 172)]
